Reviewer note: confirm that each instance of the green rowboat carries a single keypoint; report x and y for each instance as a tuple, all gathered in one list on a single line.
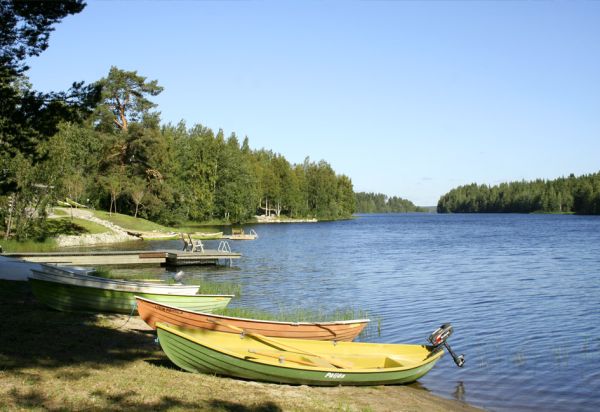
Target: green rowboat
[(70, 297), (295, 361)]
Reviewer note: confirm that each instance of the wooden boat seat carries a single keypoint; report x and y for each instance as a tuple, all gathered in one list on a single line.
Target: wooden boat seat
[(392, 361)]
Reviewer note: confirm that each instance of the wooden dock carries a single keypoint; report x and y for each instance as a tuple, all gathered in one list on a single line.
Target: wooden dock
[(128, 257)]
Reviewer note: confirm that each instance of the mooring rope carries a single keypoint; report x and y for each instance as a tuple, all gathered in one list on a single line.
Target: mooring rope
[(133, 306)]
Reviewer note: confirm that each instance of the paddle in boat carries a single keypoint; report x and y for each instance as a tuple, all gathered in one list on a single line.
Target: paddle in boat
[(152, 312), (304, 362), (93, 294)]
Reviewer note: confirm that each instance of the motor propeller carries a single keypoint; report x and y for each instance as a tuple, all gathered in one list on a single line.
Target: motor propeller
[(440, 336)]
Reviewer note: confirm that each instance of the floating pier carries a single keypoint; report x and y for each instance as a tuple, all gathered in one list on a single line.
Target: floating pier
[(129, 257)]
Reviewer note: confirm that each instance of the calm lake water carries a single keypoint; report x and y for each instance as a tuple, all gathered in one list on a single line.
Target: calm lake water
[(522, 291)]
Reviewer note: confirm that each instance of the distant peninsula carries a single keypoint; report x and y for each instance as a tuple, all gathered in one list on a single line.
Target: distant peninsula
[(579, 195), (380, 203)]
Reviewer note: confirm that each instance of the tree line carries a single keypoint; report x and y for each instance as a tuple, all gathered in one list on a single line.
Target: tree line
[(103, 145), (572, 194), (380, 203)]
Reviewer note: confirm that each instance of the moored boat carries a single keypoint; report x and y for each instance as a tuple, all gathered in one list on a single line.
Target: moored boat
[(294, 361), (84, 277), (152, 312), (206, 236), (240, 234), (83, 294)]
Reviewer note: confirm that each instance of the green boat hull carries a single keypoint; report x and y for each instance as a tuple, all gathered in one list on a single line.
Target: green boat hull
[(196, 358), (69, 298)]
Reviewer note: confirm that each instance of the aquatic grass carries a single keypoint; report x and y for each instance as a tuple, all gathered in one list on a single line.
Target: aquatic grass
[(304, 315), (16, 246), (519, 358), (208, 287), (295, 315)]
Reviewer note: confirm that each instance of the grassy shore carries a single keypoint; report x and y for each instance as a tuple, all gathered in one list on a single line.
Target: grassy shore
[(68, 361)]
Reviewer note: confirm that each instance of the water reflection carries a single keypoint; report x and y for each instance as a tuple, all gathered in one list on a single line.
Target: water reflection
[(459, 392)]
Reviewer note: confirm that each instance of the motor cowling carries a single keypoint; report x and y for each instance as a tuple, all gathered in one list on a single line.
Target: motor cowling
[(439, 336)]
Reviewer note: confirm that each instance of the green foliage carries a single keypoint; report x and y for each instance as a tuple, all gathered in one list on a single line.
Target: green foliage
[(42, 230), (380, 203), (579, 195), (27, 116), (103, 146), (124, 98)]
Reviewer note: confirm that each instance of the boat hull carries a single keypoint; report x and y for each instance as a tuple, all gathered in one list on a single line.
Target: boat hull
[(152, 312), (63, 275), (187, 353), (68, 298)]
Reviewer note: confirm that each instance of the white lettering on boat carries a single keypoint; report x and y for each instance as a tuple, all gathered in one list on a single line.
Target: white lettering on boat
[(335, 375)]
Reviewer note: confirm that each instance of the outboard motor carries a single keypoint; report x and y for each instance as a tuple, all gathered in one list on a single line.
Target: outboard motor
[(439, 337)]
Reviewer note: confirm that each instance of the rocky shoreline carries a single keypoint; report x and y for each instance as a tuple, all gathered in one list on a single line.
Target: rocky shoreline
[(114, 233), (279, 219)]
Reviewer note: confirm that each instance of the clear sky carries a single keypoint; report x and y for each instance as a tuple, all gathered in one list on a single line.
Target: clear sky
[(406, 98)]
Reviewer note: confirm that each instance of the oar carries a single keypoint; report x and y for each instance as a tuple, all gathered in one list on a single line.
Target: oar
[(337, 363), (281, 358)]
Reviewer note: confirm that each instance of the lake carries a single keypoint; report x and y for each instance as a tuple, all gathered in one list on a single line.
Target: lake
[(522, 291)]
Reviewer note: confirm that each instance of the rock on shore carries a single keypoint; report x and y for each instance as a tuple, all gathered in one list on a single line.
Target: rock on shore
[(95, 239), (115, 234)]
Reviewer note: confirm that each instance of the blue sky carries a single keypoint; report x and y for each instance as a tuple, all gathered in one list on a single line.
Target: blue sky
[(406, 98)]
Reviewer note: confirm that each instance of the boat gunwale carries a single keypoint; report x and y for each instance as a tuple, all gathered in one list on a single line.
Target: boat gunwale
[(128, 291), (434, 356), (67, 273), (328, 323)]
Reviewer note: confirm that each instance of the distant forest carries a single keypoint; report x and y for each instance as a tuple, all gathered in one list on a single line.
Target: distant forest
[(380, 203), (579, 195)]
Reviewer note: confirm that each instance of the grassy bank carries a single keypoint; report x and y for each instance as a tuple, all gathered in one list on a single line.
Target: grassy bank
[(110, 363), (134, 224), (15, 246)]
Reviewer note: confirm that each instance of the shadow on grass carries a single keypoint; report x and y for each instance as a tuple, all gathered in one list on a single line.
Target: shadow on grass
[(125, 401), (36, 336), (221, 405), (163, 363)]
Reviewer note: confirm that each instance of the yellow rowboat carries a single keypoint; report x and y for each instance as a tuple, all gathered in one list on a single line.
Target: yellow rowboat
[(295, 361)]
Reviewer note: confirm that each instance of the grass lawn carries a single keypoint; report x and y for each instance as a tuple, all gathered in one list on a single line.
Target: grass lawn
[(89, 226), (55, 361), (131, 223)]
